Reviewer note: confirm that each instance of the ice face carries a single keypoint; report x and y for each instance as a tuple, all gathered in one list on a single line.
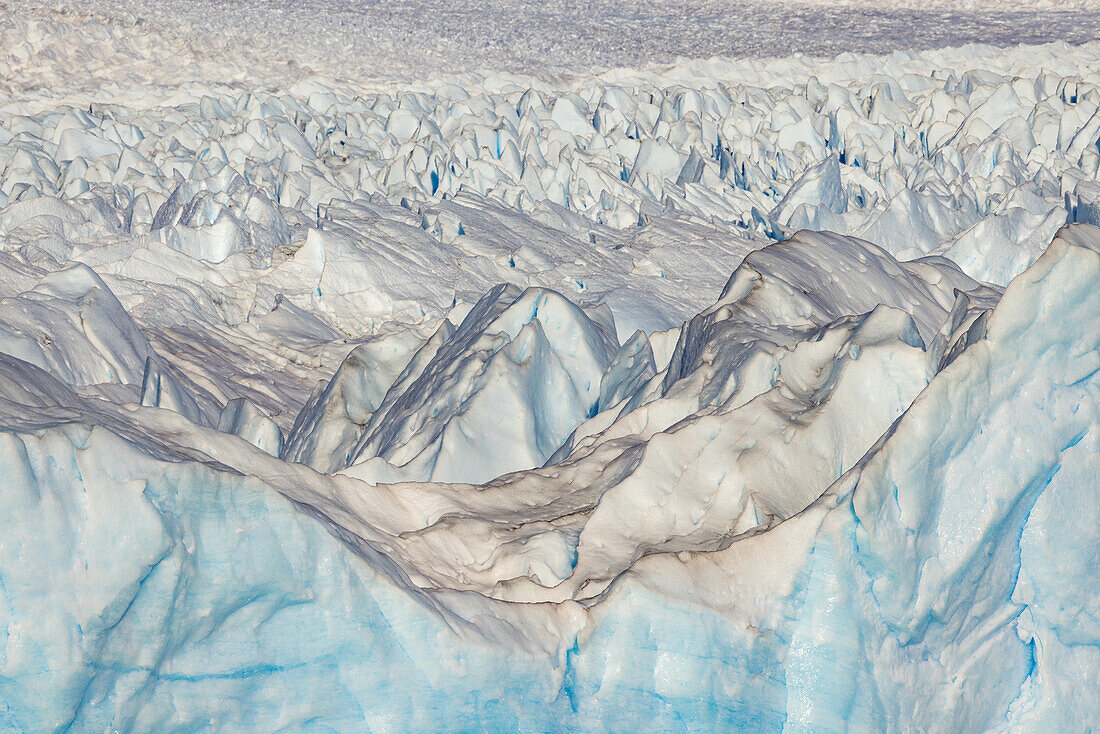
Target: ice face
[(929, 556), (713, 396), (70, 313), (196, 596), (242, 418), (929, 562), (502, 393)]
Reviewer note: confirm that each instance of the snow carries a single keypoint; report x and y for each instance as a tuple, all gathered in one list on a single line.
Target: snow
[(565, 390), (267, 44)]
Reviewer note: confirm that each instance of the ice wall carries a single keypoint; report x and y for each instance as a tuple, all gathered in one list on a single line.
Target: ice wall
[(157, 574)]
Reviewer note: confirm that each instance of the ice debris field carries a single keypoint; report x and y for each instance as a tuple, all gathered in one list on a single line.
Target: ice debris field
[(715, 395)]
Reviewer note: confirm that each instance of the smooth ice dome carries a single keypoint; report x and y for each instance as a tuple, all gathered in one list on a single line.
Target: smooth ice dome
[(705, 396)]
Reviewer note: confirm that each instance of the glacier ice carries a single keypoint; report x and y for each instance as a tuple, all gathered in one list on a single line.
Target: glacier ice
[(717, 395), (927, 560)]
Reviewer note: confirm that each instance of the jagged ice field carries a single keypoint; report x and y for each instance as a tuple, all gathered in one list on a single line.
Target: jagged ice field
[(355, 384)]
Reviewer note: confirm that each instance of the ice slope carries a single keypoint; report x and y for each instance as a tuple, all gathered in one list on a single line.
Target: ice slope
[(753, 418), (228, 608), (924, 587), (500, 392)]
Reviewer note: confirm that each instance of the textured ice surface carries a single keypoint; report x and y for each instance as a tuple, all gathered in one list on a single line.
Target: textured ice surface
[(719, 395), (260, 42), (925, 586)]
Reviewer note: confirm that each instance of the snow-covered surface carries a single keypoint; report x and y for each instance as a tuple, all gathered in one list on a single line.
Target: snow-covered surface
[(125, 44), (711, 395)]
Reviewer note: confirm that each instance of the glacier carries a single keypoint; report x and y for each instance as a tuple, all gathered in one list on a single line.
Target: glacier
[(699, 395), (877, 597)]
